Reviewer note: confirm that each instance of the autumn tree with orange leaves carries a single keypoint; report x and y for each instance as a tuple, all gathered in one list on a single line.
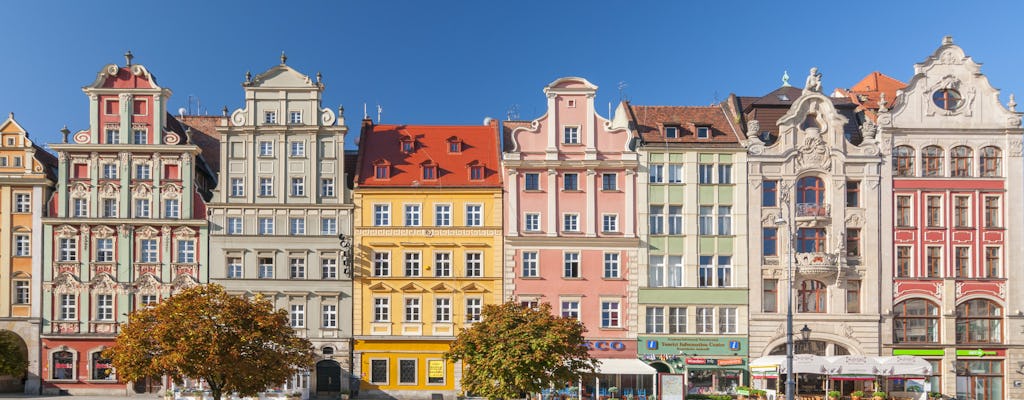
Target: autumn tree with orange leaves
[(237, 345), (517, 350)]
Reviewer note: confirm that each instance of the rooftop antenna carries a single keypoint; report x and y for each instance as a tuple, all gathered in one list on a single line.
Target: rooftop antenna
[(512, 113), (622, 90), (365, 115), (609, 110), (380, 111)]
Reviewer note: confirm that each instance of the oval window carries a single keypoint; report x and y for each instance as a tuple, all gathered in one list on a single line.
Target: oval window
[(947, 99)]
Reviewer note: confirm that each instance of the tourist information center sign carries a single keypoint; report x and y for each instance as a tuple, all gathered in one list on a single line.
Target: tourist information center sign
[(704, 346)]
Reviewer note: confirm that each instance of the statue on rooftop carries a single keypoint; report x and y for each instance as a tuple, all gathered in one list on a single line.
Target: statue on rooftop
[(813, 83)]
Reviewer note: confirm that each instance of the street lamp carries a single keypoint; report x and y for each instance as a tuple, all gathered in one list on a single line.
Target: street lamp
[(805, 333), (790, 383)]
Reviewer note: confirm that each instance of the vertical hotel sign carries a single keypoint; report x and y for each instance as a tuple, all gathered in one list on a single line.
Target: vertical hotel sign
[(435, 369)]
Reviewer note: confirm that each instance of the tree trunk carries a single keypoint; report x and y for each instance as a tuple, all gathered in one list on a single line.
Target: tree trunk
[(215, 391)]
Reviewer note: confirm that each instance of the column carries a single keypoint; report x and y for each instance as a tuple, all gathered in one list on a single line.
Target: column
[(552, 214), (590, 212), (513, 202)]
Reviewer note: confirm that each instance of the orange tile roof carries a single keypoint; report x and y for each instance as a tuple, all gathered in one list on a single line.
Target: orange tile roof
[(867, 92), (383, 145), (651, 120)]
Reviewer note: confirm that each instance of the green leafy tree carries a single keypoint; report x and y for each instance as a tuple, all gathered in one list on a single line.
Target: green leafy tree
[(13, 355), (237, 345), (516, 350)]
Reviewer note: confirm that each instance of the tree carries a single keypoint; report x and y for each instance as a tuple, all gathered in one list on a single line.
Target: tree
[(516, 350), (13, 355), (233, 343)]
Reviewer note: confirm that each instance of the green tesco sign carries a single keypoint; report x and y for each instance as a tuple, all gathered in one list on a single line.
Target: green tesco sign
[(918, 352)]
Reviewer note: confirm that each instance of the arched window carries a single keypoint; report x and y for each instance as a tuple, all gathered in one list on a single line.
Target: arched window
[(812, 297), (991, 162), (102, 367), (63, 365), (903, 161), (931, 160), (810, 190), (979, 321), (960, 161), (916, 321)]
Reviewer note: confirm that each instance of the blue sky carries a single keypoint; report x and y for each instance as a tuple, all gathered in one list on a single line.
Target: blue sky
[(456, 62)]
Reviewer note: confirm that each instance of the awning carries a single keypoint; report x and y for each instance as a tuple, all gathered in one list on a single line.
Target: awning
[(624, 366)]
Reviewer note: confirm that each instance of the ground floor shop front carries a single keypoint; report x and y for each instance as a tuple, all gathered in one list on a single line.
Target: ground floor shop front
[(703, 364), (985, 373), (76, 366), (405, 369)]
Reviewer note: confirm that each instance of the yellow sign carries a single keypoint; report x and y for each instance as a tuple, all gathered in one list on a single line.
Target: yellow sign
[(435, 369)]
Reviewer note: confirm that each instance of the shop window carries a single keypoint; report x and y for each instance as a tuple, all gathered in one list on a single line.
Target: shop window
[(63, 365), (102, 368), (979, 379)]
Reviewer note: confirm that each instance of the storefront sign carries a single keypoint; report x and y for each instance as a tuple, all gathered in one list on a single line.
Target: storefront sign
[(435, 369), (975, 353), (713, 361), (919, 352), (703, 346), (605, 345)]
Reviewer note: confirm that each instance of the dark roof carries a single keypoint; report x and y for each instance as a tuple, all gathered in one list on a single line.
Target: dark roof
[(205, 135), (650, 121), (174, 125), (783, 96), (506, 133)]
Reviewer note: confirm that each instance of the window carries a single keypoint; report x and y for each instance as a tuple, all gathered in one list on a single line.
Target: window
[(570, 181), (474, 264), (297, 149), (706, 272), (412, 215), (68, 307), (962, 261), (474, 307), (104, 307), (609, 181), (21, 292), (476, 172), (270, 117), (148, 300), (979, 321), (704, 172), (474, 215), (442, 264), (677, 320), (329, 316), (656, 173), (22, 202), (933, 262), (725, 173), (915, 321), (266, 148), (570, 223), (429, 172), (611, 265), (770, 295), (655, 320), (705, 320), (329, 268), (960, 161), (853, 242), (408, 144), (412, 264), (675, 173), (571, 309), (234, 225), (68, 249), (571, 265), (186, 251), (266, 225), (328, 226), (529, 265), (412, 309), (382, 171), (442, 309), (656, 271), (609, 314), (266, 187), (531, 222), (671, 132), (381, 214), (63, 365), (724, 220), (810, 190), (903, 265), (933, 211), (947, 99), (381, 264), (812, 297), (571, 135), (105, 250), (656, 220), (298, 315), (171, 208), (609, 223), (992, 269), (992, 215), (297, 226), (531, 181), (235, 268), (931, 158), (903, 161), (727, 320), (724, 271), (110, 208), (298, 187), (675, 271), (991, 162), (142, 171), (810, 240), (454, 145), (109, 171), (148, 251), (22, 247), (113, 136), (853, 297), (961, 211), (295, 117), (904, 217), (675, 220), (769, 193), (381, 309), (80, 208), (142, 208), (769, 241), (237, 187), (442, 215), (140, 136), (297, 268), (327, 187), (703, 132), (705, 220), (379, 371), (266, 267), (853, 193)]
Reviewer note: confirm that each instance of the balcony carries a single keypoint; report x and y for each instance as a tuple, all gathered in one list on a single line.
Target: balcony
[(812, 210), (817, 265)]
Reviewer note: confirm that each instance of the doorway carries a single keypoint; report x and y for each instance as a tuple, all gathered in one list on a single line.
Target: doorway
[(328, 378)]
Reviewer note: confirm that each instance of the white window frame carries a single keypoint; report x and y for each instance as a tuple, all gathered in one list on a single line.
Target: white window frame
[(104, 307), (266, 148), (297, 148), (474, 215), (328, 226), (298, 186), (381, 309), (442, 264), (531, 222), (327, 187), (529, 264), (609, 223), (474, 264), (329, 316), (234, 225), (237, 187), (265, 225), (413, 214), (297, 226), (570, 222), (382, 214), (571, 134), (613, 309), (266, 187), (149, 250), (612, 265), (382, 263), (186, 251), (22, 245), (297, 315), (442, 214)]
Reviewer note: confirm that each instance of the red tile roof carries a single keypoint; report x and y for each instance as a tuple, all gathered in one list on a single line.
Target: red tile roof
[(651, 120), (383, 145), (867, 92)]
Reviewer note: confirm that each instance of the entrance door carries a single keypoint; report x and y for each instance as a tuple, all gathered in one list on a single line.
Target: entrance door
[(328, 377)]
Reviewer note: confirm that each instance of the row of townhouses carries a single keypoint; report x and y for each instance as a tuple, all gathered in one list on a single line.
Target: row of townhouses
[(669, 231)]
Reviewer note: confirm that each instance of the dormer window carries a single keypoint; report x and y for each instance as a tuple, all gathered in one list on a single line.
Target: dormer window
[(454, 145), (382, 170), (476, 172), (703, 132), (671, 132), (270, 117), (408, 145), (429, 171)]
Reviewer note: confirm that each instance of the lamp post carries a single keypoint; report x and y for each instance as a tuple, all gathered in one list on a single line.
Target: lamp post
[(790, 382)]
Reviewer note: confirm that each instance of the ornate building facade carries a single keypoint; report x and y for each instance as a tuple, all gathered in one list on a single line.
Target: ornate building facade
[(956, 175), (26, 181), (126, 227), (278, 214), (428, 252)]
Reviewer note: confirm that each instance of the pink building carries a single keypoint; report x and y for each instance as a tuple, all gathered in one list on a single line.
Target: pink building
[(570, 206)]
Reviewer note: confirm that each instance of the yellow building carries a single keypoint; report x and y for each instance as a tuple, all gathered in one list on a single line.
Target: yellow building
[(427, 252), (26, 178)]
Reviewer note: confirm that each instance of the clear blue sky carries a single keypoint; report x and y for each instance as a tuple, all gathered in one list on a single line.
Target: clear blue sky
[(456, 62)]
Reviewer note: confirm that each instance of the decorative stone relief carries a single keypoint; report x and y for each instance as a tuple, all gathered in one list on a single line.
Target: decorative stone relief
[(66, 283), (814, 152), (184, 232), (103, 232), (147, 232), (66, 231), (147, 284), (1016, 145), (103, 284)]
